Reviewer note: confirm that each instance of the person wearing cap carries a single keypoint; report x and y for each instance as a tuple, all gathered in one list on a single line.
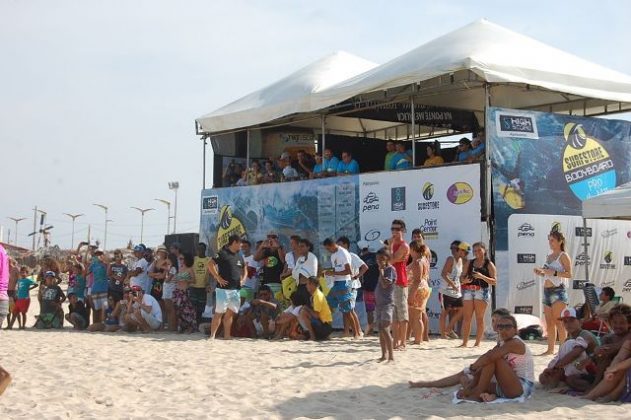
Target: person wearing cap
[(477, 148), (100, 286), (230, 272), (145, 313), (117, 273), (479, 275), (573, 360), (51, 314), (139, 275), (449, 293), (348, 165), (463, 151)]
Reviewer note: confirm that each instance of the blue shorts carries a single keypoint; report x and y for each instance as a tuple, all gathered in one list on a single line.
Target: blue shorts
[(554, 294), (227, 299), (483, 293), (341, 297), (526, 385)]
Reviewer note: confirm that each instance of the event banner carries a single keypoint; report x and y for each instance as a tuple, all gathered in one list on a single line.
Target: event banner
[(608, 257), (546, 163), (443, 202)]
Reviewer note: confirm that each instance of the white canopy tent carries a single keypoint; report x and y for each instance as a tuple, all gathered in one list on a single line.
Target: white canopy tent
[(613, 204), (457, 70)]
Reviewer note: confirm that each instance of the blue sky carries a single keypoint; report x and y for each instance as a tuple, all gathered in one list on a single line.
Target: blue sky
[(98, 98)]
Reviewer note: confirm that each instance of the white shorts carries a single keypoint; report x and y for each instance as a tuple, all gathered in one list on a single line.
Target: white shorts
[(167, 290), (227, 299), (294, 310)]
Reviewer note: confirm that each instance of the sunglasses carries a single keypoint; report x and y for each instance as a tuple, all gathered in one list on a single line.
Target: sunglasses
[(504, 326)]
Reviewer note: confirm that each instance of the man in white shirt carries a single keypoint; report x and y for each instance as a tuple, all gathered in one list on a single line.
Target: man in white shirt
[(146, 314), (358, 268), (139, 273), (306, 263), (340, 296), (252, 266), (291, 256)]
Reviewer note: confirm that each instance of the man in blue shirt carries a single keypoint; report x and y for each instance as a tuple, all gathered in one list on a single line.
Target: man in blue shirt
[(464, 150), (348, 165), (329, 163), (317, 168), (402, 159)]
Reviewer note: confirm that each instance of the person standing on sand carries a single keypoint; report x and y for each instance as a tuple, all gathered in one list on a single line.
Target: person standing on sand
[(400, 251), (384, 297), (4, 286), (230, 272)]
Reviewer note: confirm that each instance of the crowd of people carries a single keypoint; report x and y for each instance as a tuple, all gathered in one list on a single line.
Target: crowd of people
[(267, 291), (306, 166)]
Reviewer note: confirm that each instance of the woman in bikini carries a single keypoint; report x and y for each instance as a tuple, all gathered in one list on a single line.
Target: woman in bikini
[(418, 288)]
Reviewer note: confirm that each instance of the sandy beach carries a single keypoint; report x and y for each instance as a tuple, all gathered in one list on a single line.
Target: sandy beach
[(78, 375)]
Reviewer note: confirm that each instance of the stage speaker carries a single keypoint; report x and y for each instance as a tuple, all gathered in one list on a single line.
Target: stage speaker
[(188, 241)]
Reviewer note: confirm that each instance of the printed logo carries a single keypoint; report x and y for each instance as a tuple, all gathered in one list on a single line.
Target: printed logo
[(430, 229), (608, 233), (525, 284), (434, 283), (523, 310), (371, 202), (581, 259), (578, 284), (434, 260), (433, 315), (627, 286), (607, 284), (428, 194), (588, 169), (580, 231), (398, 198), (228, 225), (460, 193), (516, 125), (526, 258), (210, 204), (526, 230), (372, 235), (627, 260), (607, 261)]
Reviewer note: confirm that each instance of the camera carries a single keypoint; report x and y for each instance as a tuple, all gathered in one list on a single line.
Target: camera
[(135, 293)]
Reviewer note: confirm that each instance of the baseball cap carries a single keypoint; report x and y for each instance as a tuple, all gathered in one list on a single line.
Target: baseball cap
[(98, 252), (136, 289), (464, 246), (464, 140), (362, 244), (375, 246), (272, 233), (568, 313), (162, 248), (284, 155), (140, 248), (49, 274)]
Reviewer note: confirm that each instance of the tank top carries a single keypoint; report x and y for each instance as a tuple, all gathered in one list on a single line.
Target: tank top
[(522, 364), (484, 270), (456, 272), (400, 267), (556, 266)]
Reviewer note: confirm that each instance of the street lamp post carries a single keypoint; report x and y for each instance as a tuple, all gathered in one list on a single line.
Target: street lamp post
[(168, 204), (142, 219), (73, 217), (174, 185), (16, 220), (104, 207)]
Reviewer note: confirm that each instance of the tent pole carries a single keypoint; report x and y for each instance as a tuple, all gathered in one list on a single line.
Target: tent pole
[(322, 122), (487, 186), (247, 148), (413, 116), (204, 163), (585, 250)]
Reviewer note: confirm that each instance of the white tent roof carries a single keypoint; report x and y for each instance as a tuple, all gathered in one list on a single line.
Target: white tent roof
[(290, 95), (613, 204), (496, 55)]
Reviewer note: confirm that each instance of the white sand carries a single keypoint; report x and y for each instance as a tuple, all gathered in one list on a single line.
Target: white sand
[(70, 375)]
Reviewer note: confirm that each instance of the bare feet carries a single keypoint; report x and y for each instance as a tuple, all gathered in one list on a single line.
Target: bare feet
[(381, 359), (547, 353), (462, 346), (486, 397)]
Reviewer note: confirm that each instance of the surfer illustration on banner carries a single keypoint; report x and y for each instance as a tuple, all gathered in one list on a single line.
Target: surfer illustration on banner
[(228, 225), (588, 169)]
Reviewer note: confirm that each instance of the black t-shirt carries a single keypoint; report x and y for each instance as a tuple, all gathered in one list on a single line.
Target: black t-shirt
[(117, 280), (272, 266), (484, 270), (230, 267), (79, 308), (51, 296), (371, 276)]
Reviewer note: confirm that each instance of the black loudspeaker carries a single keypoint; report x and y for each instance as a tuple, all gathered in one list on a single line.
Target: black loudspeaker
[(188, 241)]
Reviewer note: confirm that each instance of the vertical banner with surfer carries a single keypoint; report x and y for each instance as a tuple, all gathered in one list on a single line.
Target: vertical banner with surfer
[(544, 163)]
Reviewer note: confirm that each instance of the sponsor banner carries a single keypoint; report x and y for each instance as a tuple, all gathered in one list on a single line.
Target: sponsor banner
[(545, 163), (608, 258), (443, 202)]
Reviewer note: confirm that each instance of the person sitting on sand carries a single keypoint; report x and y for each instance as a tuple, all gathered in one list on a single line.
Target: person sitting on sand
[(146, 313), (110, 318), (571, 364), (262, 311), (507, 371), (620, 323), (77, 315), (616, 385), (119, 312), (384, 303), (51, 315), (316, 318), (464, 377)]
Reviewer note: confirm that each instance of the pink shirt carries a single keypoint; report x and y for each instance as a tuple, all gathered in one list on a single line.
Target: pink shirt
[(4, 274)]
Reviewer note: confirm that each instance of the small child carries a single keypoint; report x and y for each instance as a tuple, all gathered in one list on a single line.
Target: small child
[(384, 309), (78, 287), (78, 315), (23, 299)]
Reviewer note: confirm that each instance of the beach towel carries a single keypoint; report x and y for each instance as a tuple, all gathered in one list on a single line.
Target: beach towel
[(521, 399)]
